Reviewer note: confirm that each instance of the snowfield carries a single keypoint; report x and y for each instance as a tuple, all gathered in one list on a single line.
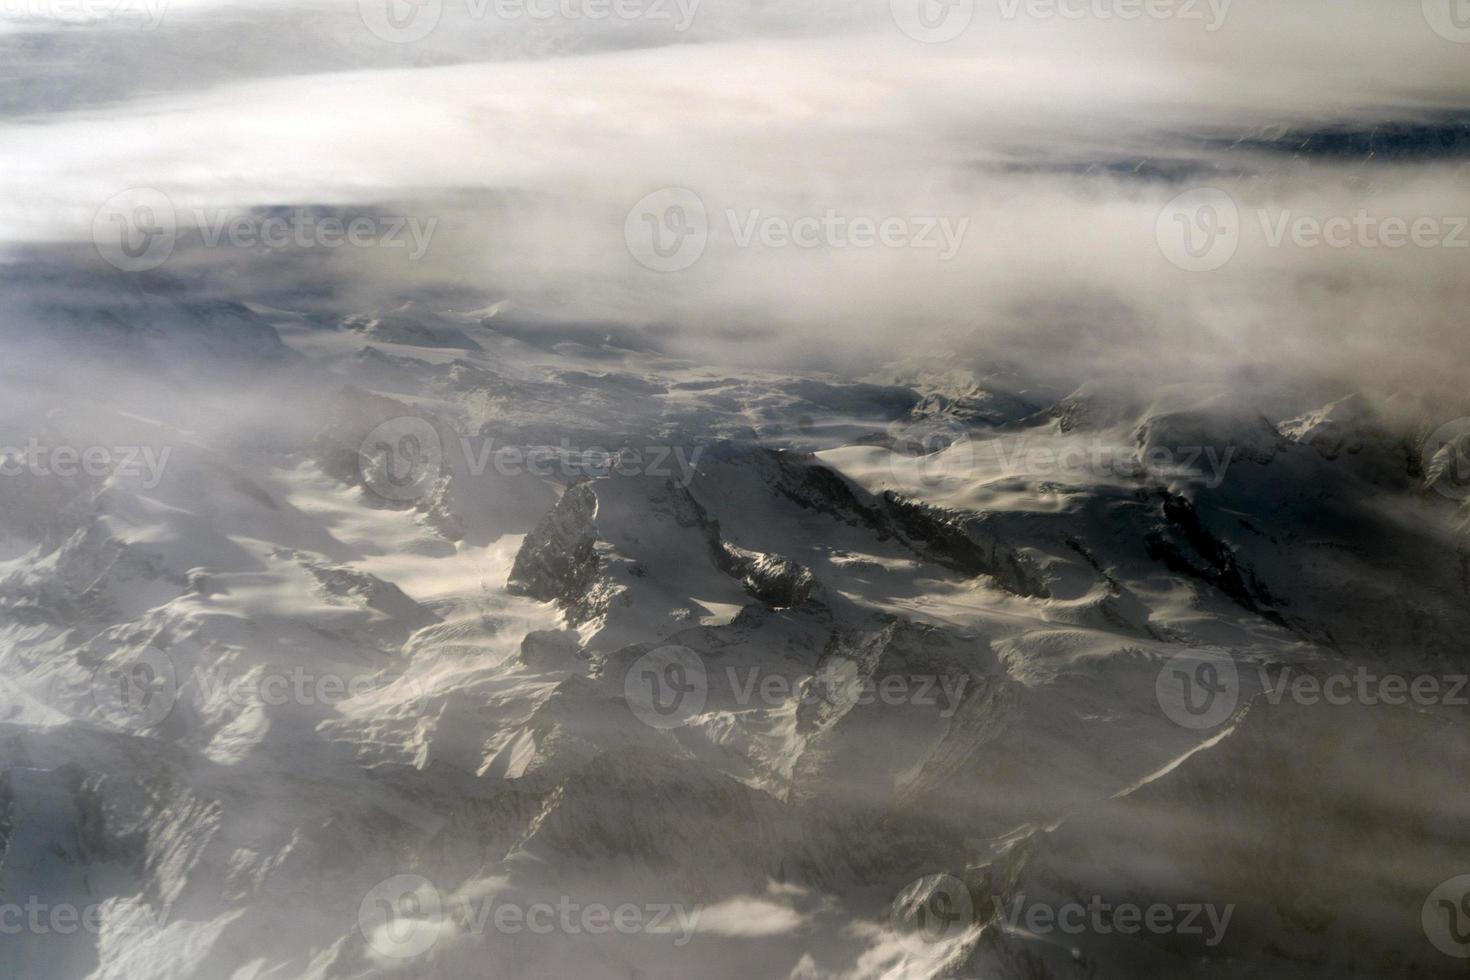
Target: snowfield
[(441, 641)]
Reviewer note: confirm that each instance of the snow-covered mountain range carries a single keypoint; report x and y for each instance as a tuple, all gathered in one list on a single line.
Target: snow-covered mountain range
[(442, 640)]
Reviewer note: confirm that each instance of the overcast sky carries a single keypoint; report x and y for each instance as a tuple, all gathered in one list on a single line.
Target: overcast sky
[(1024, 153)]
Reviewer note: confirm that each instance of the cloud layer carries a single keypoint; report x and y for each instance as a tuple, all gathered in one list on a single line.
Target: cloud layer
[(1038, 151)]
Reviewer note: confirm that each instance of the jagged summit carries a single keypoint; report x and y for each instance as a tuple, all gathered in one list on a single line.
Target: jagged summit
[(803, 653)]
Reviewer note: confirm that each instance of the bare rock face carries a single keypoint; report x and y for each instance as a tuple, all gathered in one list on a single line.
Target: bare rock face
[(550, 649), (774, 580), (559, 557), (1258, 873), (806, 694), (1179, 435), (412, 324), (346, 449), (1351, 434), (348, 585), (608, 537), (1094, 407)]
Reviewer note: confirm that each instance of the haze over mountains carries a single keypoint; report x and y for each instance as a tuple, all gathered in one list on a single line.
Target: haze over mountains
[(785, 495)]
